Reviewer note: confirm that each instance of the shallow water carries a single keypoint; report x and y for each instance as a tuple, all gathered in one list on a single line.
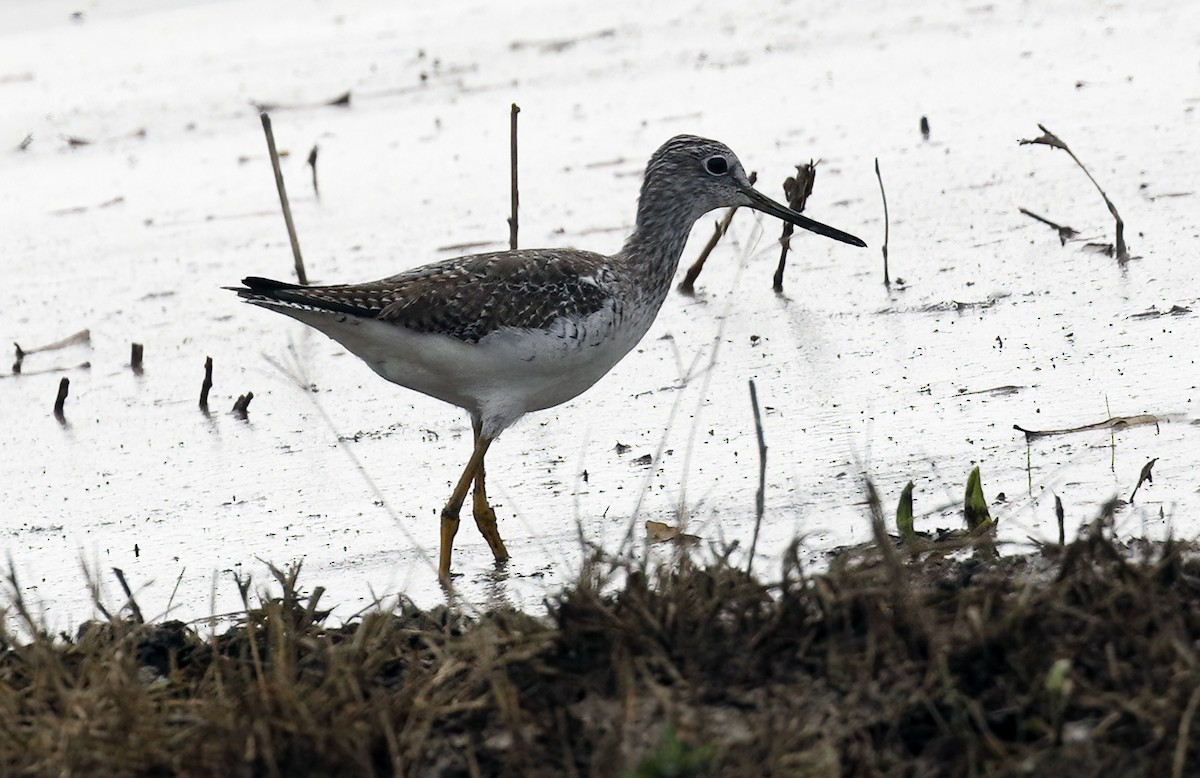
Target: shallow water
[(132, 235)]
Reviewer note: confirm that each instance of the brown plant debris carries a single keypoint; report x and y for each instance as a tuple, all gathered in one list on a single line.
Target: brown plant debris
[(1075, 661), (1048, 138), (797, 190), (1115, 423), (1154, 313), (83, 337), (1146, 477), (1065, 233), (341, 101), (997, 391), (658, 532)]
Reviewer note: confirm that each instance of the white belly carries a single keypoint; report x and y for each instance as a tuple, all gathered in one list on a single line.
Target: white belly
[(505, 375)]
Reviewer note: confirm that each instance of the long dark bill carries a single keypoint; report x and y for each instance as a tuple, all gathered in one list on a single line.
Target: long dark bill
[(767, 205)]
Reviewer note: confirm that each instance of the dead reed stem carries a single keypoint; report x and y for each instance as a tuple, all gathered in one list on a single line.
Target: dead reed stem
[(283, 198), (887, 281), (760, 497), (64, 387), (241, 406), (1060, 516), (515, 198), (312, 163), (206, 385)]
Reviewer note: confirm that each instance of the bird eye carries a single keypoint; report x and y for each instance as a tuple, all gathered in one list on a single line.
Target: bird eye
[(718, 166)]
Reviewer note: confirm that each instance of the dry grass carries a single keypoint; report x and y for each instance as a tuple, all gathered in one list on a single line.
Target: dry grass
[(1075, 661)]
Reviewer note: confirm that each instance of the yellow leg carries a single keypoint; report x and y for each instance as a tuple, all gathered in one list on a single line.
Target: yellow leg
[(454, 505), (485, 517)]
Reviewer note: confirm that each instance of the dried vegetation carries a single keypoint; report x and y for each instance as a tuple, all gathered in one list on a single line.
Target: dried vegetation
[(1071, 661)]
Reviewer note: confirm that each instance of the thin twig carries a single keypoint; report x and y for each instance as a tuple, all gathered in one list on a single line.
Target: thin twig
[(512, 152), (887, 281), (687, 285), (283, 199), (760, 498), (174, 591)]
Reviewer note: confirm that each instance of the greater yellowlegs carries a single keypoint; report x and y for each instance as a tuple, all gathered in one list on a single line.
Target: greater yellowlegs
[(510, 332)]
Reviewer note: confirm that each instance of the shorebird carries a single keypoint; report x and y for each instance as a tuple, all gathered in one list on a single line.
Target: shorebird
[(510, 332)]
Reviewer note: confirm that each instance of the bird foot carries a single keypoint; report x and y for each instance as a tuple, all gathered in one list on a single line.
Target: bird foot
[(485, 519)]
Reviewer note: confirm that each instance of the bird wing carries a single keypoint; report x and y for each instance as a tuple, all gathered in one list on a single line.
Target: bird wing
[(467, 297)]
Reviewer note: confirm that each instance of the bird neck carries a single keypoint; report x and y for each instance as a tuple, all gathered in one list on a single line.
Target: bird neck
[(653, 250)]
